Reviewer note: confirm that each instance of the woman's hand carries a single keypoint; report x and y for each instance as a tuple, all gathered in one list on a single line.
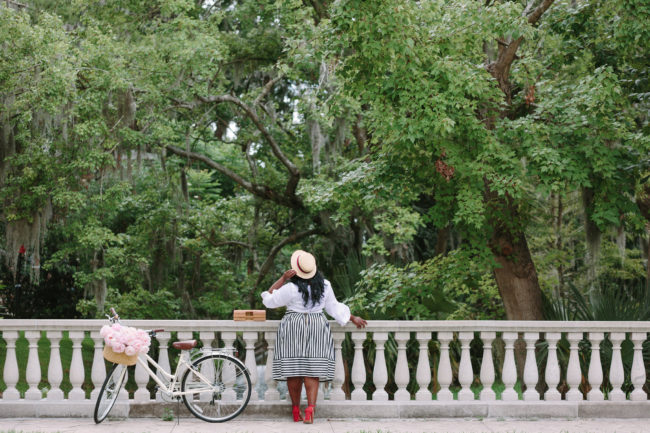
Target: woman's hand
[(288, 274), (283, 279), (358, 321)]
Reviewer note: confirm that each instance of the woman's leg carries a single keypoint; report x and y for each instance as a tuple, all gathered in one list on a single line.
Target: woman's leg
[(311, 386), (294, 384)]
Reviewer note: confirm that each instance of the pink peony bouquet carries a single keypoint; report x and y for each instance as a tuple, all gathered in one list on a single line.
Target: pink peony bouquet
[(125, 339)]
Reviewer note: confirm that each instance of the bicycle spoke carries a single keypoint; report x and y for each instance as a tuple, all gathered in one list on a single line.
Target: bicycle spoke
[(219, 388)]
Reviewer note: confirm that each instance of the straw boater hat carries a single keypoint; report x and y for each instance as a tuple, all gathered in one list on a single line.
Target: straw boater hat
[(304, 264)]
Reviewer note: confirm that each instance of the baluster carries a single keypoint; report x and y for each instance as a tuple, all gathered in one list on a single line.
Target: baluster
[(637, 375), (163, 359), (251, 338), (552, 372), (185, 354), (358, 367), (595, 368), (423, 374), (616, 373), (33, 371), (531, 376), (76, 367), (141, 379), (509, 373), (380, 373), (207, 370), (465, 373), (401, 367), (487, 367), (98, 372), (271, 384), (54, 368), (339, 372), (444, 367), (10, 371), (228, 371), (573, 375)]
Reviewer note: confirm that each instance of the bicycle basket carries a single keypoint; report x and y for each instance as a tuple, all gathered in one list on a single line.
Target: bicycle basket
[(119, 358)]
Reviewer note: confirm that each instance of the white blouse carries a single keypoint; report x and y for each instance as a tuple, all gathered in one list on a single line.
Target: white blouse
[(289, 296)]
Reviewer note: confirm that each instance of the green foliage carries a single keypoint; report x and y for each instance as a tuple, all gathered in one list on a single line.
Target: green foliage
[(619, 293), (414, 127), (136, 304), (449, 287)]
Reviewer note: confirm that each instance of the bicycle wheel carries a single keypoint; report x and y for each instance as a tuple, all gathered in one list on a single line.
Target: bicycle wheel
[(110, 391), (218, 388)]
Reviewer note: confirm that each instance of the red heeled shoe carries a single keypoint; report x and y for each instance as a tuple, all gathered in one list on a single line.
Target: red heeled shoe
[(309, 415), (296, 414)]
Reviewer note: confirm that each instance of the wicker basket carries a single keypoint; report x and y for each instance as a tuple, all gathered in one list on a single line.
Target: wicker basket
[(119, 358)]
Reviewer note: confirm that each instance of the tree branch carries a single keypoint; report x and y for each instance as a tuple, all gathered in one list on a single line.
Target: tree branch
[(267, 88), (294, 173), (507, 51), (320, 7), (256, 189), (534, 16)]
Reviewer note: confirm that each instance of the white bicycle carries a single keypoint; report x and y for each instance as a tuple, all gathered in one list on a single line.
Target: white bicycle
[(215, 385)]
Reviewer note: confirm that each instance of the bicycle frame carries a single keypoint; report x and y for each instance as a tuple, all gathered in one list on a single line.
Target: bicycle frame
[(173, 379)]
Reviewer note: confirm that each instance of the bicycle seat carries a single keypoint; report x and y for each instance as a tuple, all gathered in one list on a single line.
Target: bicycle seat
[(184, 345)]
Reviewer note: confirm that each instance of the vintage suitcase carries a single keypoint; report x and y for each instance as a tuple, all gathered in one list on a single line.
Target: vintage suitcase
[(256, 315)]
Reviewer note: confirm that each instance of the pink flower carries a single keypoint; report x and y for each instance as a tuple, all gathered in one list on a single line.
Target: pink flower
[(104, 331), (126, 339)]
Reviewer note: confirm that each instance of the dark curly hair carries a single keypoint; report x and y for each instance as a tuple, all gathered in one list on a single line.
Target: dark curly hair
[(313, 288)]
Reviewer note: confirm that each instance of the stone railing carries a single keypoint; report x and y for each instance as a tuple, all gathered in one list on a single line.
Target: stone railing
[(440, 385)]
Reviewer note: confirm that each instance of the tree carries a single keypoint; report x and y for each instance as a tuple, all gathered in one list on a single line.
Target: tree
[(196, 143), (446, 106)]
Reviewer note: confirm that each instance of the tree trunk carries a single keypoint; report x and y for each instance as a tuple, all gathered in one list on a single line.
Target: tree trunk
[(593, 235), (558, 241), (99, 286), (441, 241), (647, 257), (643, 201), (516, 277)]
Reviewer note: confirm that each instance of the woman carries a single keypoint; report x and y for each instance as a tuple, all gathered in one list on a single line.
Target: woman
[(304, 350)]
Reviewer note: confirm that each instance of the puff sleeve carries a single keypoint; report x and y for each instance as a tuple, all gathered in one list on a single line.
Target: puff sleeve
[(279, 298), (339, 311)]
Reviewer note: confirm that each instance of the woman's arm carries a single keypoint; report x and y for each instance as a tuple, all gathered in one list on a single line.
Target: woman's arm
[(283, 279), (339, 311)]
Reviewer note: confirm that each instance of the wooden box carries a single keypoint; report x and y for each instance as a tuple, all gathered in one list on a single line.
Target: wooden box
[(256, 315)]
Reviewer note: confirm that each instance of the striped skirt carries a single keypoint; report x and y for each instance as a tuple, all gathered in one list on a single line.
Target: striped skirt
[(304, 347)]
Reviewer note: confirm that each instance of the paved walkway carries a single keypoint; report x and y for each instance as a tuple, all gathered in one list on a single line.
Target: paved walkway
[(139, 425)]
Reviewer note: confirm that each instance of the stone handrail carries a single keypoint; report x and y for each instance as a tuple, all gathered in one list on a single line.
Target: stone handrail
[(225, 332)]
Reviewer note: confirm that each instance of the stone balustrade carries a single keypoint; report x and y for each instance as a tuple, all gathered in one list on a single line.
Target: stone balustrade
[(431, 368)]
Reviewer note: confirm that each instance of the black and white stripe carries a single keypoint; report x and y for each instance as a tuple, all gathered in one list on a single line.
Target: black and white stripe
[(304, 347)]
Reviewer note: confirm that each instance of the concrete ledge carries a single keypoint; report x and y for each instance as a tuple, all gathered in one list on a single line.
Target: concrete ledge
[(57, 409), (614, 409), (533, 409), (281, 410)]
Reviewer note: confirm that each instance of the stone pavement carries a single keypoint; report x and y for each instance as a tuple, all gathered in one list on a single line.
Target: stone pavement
[(444, 425)]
